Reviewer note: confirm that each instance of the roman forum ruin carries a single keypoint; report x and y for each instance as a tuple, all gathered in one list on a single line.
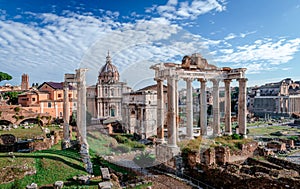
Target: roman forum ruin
[(195, 67), (79, 79)]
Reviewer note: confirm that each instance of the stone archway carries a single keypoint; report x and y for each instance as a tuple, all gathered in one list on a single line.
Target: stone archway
[(5, 122), (32, 121)]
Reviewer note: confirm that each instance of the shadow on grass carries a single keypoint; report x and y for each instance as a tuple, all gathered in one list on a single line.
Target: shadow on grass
[(69, 153)]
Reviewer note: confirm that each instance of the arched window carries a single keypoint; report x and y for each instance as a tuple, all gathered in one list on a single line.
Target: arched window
[(112, 92)]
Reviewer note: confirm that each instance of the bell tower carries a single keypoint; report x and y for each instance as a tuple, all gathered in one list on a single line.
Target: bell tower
[(25, 82)]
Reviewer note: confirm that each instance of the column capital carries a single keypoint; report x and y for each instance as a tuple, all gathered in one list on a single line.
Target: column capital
[(188, 79), (158, 79), (242, 79), (202, 80), (215, 81), (227, 80)]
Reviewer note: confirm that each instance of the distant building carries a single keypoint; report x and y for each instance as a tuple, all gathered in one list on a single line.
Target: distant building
[(104, 100), (139, 111), (277, 99), (48, 98), (25, 82)]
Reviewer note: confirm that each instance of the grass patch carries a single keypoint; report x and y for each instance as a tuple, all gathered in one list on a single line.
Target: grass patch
[(127, 143), (50, 165), (231, 141), (22, 133), (272, 129), (100, 143)]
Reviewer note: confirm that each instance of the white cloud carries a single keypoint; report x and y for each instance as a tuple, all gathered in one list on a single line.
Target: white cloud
[(230, 36), (186, 10), (262, 54), (52, 45)]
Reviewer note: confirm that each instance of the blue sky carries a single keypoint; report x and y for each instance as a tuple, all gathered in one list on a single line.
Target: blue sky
[(46, 39)]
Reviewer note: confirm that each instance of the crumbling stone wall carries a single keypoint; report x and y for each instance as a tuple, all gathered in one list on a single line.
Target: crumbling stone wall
[(222, 155), (58, 135), (285, 164), (208, 156), (245, 176), (41, 145)]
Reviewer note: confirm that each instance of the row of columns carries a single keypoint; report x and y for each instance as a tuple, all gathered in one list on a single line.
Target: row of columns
[(173, 105)]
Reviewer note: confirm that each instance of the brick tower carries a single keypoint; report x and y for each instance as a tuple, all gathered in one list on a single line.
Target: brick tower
[(25, 82)]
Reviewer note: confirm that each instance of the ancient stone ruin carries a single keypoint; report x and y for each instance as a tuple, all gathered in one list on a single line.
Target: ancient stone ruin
[(195, 67), (79, 79)]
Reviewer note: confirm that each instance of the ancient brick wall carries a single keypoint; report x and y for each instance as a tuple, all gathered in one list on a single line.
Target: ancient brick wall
[(284, 163)]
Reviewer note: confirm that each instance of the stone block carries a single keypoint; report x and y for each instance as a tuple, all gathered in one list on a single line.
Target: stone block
[(58, 185), (32, 186), (105, 185)]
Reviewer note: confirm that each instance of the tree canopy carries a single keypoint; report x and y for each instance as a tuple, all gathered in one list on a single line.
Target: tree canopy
[(5, 76)]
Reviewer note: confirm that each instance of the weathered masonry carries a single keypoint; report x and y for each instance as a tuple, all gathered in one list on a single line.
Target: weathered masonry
[(195, 67)]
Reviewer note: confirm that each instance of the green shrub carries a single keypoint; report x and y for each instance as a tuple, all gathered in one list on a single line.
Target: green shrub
[(293, 137), (17, 109), (236, 136), (123, 148), (144, 159), (134, 144), (16, 117), (121, 139)]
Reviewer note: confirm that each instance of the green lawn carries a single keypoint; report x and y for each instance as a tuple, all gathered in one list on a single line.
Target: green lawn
[(20, 132), (271, 129), (50, 165), (99, 143)]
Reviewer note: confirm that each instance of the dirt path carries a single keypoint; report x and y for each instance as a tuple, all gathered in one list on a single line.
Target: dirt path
[(160, 181)]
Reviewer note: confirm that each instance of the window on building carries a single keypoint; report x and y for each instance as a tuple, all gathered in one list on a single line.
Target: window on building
[(49, 104), (33, 99), (112, 112), (112, 92), (59, 95), (70, 95)]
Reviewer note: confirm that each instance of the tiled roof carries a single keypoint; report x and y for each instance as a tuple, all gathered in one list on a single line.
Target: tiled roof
[(152, 87), (56, 85)]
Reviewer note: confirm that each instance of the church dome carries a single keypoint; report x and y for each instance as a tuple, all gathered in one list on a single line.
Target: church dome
[(109, 72)]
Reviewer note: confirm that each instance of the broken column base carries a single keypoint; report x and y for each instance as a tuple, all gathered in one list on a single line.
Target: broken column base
[(165, 153), (84, 152)]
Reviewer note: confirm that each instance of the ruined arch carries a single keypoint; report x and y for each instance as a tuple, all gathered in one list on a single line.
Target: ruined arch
[(5, 122), (32, 120)]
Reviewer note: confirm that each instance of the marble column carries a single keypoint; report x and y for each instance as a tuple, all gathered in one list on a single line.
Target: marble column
[(203, 108), (81, 105), (66, 112), (189, 108), (216, 108), (228, 129), (242, 107), (172, 131), (176, 109), (160, 111)]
